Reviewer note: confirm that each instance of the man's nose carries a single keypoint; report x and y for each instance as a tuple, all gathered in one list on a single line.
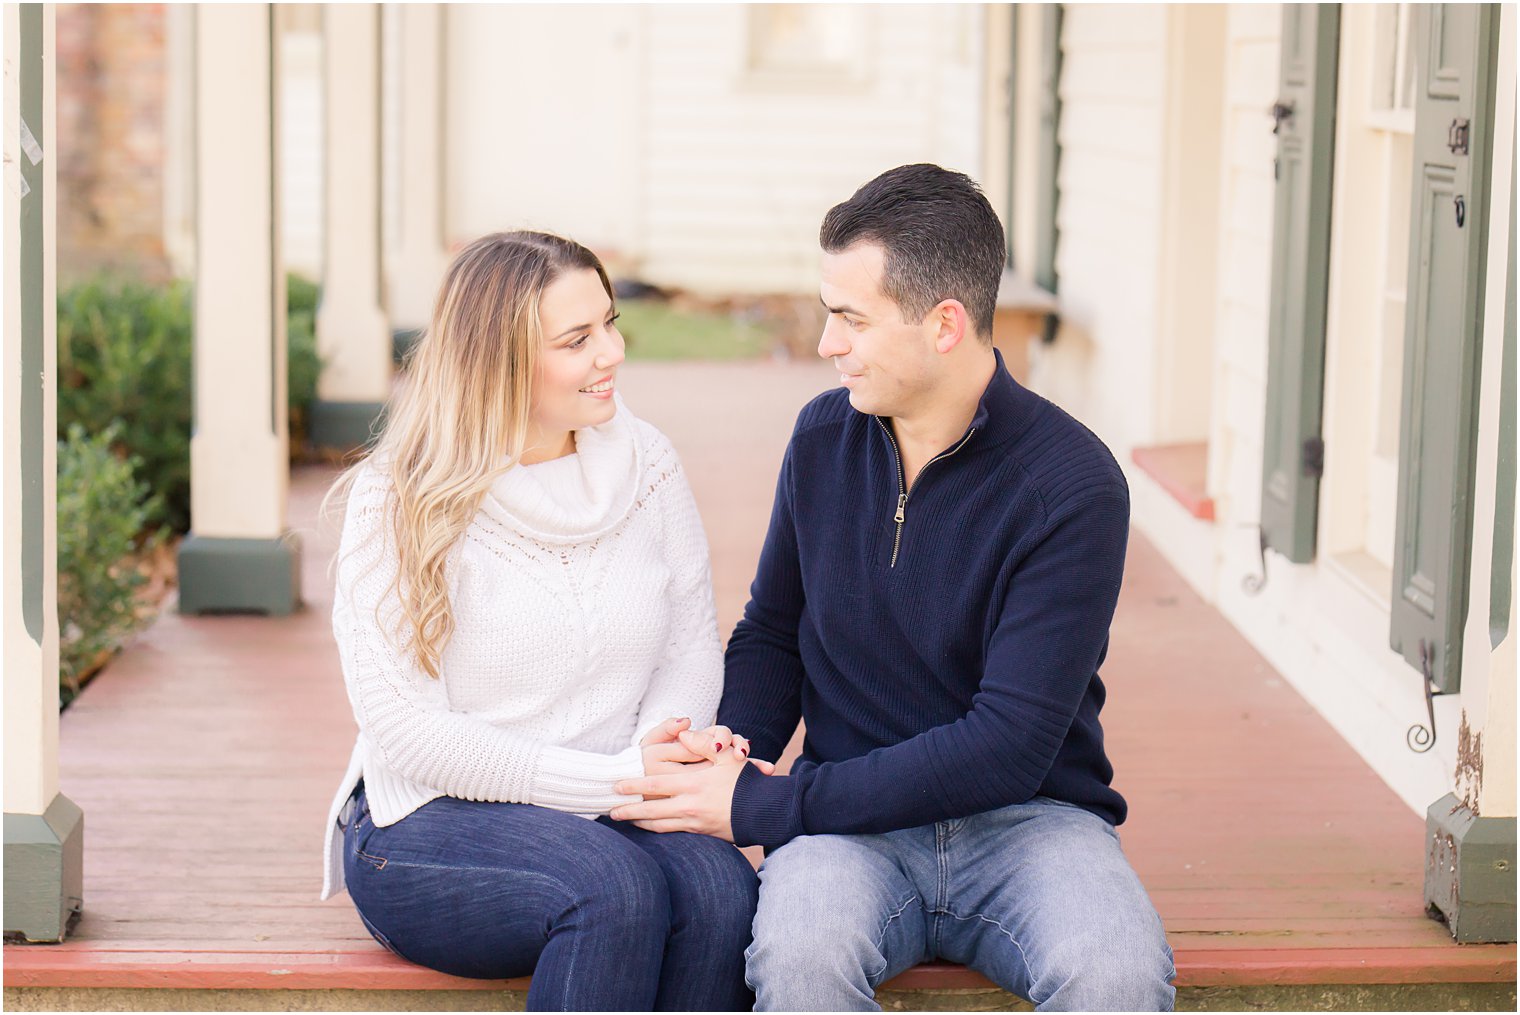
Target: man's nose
[(833, 341)]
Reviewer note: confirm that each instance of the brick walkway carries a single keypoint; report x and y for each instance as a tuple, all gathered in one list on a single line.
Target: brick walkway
[(204, 759)]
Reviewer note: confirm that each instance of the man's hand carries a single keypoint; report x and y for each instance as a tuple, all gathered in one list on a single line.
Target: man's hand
[(697, 799)]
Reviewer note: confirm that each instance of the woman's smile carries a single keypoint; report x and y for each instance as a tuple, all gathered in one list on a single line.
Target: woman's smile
[(602, 389)]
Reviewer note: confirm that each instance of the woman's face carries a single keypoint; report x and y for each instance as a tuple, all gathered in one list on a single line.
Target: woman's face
[(582, 349)]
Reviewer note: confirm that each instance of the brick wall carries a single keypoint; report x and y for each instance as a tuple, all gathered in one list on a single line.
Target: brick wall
[(110, 146)]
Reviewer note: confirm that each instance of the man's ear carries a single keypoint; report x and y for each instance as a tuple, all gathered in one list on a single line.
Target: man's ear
[(951, 324)]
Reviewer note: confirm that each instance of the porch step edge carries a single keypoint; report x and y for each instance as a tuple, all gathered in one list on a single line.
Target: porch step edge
[(1320, 997), (371, 969)]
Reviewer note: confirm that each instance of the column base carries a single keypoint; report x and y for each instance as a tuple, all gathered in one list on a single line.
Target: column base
[(402, 340), (1470, 872), (240, 575), (44, 872), (344, 426)]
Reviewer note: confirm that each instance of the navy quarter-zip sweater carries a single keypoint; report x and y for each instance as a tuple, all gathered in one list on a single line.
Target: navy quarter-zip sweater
[(945, 664)]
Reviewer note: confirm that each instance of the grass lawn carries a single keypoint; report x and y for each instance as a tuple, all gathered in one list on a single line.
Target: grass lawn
[(657, 330)]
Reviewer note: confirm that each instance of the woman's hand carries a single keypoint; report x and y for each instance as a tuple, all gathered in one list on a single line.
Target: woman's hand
[(664, 754), (719, 743)]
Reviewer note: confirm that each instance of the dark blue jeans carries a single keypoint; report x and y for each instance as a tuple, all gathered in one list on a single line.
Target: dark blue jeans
[(605, 916)]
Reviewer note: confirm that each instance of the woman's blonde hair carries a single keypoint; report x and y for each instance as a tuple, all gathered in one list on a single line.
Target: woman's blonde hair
[(463, 415)]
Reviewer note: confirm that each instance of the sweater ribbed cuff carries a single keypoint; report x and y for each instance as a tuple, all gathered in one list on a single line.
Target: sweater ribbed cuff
[(766, 809), (581, 782)]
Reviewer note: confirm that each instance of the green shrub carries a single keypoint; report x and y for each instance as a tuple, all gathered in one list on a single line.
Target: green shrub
[(124, 354), (103, 512), (302, 367)]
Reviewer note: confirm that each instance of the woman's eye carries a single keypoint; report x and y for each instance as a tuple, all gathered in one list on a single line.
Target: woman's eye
[(578, 342), (613, 320)]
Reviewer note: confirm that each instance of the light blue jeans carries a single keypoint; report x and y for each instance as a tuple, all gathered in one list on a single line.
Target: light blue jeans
[(1037, 897)]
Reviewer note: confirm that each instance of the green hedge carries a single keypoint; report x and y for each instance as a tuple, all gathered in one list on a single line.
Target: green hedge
[(124, 356), (124, 362), (104, 514), (302, 366)]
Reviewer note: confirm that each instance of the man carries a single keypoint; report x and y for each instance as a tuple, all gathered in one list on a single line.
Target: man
[(933, 599)]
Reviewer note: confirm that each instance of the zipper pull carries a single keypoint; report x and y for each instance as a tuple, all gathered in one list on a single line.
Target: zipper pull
[(902, 502)]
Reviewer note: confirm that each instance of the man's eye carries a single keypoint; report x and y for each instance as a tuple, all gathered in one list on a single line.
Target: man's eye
[(856, 325)]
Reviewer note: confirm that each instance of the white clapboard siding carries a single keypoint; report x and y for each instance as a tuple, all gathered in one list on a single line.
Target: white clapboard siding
[(643, 132), (1109, 218), (544, 111), (1247, 193), (739, 171)]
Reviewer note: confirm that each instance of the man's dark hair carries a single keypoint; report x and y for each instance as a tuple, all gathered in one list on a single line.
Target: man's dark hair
[(942, 240)]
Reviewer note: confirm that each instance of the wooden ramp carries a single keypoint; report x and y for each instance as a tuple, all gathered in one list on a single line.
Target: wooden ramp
[(205, 756)]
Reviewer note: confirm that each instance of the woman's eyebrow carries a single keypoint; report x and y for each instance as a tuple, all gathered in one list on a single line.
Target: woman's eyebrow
[(571, 331), (611, 309)]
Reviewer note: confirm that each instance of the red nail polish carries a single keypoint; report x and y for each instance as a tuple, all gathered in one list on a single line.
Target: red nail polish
[(720, 747)]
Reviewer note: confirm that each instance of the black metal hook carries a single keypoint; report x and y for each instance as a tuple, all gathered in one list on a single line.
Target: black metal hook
[(1418, 738), (1254, 583)]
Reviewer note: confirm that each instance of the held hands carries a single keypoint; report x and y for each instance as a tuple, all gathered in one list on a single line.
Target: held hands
[(689, 778), (664, 753), (672, 746)]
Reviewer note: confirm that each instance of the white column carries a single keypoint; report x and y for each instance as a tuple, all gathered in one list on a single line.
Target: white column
[(353, 335), (997, 107), (1485, 775), (43, 829), (239, 556), (417, 256)]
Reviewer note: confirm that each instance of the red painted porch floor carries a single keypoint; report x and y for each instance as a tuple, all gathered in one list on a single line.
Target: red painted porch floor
[(204, 758)]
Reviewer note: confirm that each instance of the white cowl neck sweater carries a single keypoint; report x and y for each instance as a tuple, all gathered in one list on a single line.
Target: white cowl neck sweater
[(583, 615)]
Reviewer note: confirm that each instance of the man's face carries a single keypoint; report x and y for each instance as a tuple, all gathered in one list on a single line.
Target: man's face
[(887, 364)]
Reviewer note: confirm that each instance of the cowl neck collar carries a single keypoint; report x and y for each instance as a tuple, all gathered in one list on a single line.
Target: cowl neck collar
[(610, 462)]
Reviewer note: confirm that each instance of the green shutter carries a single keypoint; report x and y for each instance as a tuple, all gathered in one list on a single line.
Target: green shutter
[(33, 270), (1305, 113), (1500, 590), (1048, 163), (1442, 333)]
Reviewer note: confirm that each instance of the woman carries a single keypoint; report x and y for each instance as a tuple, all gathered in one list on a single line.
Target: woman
[(524, 616)]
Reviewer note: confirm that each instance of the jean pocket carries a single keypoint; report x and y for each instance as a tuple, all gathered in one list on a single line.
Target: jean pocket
[(377, 862), (357, 837)]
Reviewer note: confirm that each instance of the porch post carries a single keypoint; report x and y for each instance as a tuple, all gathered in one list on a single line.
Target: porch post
[(1470, 833), (44, 830), (239, 556), (417, 256), (353, 336)]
